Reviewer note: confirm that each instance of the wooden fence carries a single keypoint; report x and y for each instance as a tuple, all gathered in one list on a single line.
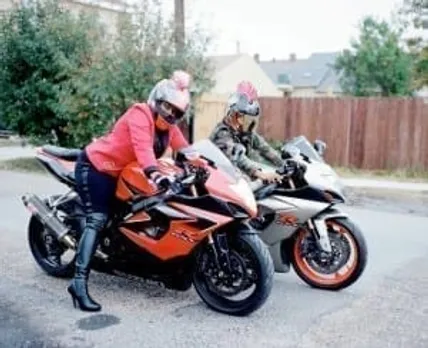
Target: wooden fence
[(368, 133)]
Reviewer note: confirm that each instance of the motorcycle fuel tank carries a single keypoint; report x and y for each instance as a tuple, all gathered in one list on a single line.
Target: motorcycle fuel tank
[(133, 181)]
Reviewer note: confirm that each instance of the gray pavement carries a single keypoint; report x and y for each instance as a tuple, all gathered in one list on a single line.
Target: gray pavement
[(388, 307)]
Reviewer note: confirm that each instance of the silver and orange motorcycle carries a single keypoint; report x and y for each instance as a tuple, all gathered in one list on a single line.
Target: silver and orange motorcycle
[(301, 223)]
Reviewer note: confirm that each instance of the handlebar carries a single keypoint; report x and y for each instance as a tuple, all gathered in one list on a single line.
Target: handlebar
[(290, 167)]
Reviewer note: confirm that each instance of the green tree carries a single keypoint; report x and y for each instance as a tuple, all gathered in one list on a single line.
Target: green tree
[(142, 54), (414, 16), (376, 62), (42, 47)]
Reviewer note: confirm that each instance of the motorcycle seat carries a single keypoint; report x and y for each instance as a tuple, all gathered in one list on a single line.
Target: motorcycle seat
[(62, 152)]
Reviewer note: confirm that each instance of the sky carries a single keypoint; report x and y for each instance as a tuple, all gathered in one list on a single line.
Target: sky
[(276, 28)]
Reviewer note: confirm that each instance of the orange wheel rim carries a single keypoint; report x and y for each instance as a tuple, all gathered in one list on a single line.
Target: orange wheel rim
[(339, 275)]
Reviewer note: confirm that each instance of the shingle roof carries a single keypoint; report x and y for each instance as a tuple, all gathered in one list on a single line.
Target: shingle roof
[(220, 62), (315, 71)]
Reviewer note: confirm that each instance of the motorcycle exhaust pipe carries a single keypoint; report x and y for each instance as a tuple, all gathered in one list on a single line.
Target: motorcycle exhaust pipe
[(46, 216)]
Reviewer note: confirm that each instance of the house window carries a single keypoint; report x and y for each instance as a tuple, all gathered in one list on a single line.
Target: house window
[(283, 79)]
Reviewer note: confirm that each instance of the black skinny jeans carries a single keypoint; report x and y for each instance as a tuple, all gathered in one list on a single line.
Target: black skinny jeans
[(96, 191)]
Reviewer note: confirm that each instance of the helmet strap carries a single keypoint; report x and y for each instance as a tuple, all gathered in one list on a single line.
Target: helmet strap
[(231, 121)]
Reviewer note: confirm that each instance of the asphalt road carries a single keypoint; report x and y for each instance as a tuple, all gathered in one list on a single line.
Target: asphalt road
[(388, 307)]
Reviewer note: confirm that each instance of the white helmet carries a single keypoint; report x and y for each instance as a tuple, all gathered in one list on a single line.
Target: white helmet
[(175, 92)]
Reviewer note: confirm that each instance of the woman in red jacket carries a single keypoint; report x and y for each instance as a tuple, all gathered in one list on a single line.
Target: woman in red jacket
[(142, 134)]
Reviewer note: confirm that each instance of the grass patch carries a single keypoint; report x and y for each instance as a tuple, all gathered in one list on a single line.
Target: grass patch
[(397, 175), (24, 164), (10, 142)]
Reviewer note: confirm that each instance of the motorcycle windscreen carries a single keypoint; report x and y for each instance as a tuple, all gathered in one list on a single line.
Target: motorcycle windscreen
[(207, 149), (306, 148)]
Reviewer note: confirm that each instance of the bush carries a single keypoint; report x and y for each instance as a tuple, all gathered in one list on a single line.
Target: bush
[(42, 47)]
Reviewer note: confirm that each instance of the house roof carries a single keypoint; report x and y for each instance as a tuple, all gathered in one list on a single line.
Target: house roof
[(315, 71), (330, 82), (220, 62)]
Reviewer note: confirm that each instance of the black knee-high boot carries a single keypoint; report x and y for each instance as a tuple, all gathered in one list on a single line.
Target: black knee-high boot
[(78, 287)]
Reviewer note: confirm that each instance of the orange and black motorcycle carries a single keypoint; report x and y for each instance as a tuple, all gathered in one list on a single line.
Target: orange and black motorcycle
[(196, 231)]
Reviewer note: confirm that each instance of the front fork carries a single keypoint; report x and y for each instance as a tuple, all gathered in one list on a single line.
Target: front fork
[(220, 249), (318, 227)]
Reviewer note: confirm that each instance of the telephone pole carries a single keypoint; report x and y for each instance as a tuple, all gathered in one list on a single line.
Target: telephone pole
[(179, 37), (179, 25)]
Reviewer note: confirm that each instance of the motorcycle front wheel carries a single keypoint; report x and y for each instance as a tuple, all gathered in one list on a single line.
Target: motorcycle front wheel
[(251, 267), (338, 269)]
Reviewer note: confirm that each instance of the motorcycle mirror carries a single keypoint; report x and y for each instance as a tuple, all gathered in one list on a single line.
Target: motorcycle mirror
[(289, 151), (238, 151), (320, 146)]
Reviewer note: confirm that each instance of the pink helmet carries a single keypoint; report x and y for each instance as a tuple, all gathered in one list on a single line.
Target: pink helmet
[(244, 101), (248, 89), (174, 91)]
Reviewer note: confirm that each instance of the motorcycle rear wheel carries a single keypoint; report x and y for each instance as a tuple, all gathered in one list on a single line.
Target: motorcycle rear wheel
[(36, 233), (258, 264), (346, 238)]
